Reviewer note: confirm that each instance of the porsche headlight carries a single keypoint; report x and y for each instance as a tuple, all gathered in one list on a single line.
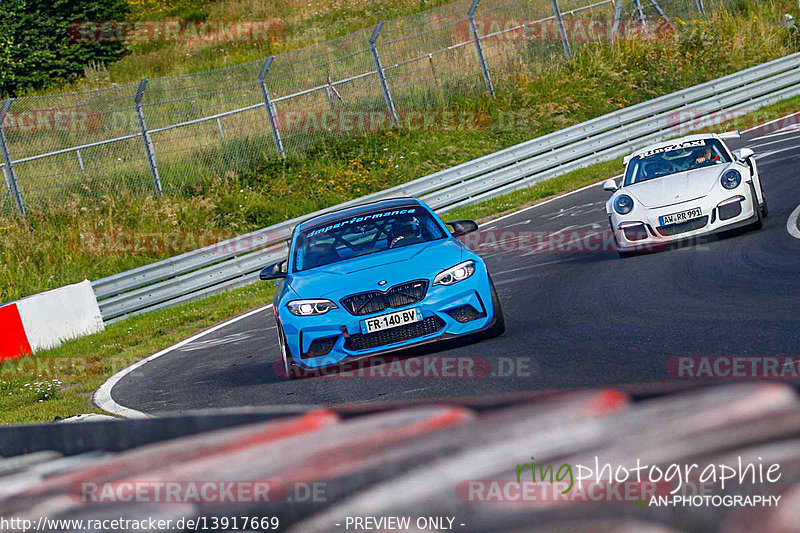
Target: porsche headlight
[(455, 274), (310, 307), (623, 204), (731, 179)]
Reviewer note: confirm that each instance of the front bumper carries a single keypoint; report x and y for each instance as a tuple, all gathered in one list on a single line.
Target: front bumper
[(641, 230), (335, 337)]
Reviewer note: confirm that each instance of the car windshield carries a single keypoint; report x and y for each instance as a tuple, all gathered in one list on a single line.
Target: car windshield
[(364, 234), (674, 158)]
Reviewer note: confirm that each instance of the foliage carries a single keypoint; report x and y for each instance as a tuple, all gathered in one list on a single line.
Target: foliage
[(38, 48)]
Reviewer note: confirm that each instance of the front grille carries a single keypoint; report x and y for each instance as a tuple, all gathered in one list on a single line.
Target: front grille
[(366, 303), (683, 227), (465, 313), (432, 324)]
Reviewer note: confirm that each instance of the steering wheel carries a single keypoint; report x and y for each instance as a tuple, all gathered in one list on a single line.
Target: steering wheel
[(658, 169)]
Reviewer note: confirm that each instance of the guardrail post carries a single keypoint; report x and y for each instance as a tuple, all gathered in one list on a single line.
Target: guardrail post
[(562, 30), (8, 168), (148, 142), (487, 77), (617, 18), (273, 121), (700, 7), (387, 94)]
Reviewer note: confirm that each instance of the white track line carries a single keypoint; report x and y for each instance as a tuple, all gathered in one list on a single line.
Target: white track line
[(791, 223), (496, 220), (770, 122), (102, 398)]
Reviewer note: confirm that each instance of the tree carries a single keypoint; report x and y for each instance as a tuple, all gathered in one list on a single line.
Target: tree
[(37, 48)]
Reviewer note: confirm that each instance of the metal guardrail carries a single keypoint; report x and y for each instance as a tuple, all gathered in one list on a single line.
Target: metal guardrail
[(236, 262)]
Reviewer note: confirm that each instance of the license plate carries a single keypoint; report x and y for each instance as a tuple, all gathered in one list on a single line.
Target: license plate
[(683, 216), (391, 320)]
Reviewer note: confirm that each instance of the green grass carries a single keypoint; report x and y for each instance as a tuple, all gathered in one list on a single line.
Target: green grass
[(303, 23)]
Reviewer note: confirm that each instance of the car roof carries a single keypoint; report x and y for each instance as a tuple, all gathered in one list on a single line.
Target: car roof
[(390, 203)]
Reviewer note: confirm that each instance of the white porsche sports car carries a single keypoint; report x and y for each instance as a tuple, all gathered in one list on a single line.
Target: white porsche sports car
[(684, 188)]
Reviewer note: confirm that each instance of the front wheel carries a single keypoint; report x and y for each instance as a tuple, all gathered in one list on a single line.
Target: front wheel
[(758, 224), (499, 326), (764, 209), (291, 370)]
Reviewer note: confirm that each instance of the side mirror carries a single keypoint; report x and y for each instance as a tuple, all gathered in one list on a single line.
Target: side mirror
[(462, 227), (610, 185), (744, 154), (273, 271)]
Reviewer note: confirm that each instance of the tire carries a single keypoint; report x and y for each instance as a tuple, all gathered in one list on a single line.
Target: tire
[(291, 369), (758, 224), (764, 209), (499, 326)]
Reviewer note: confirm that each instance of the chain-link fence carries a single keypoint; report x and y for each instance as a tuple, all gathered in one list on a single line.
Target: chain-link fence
[(163, 135)]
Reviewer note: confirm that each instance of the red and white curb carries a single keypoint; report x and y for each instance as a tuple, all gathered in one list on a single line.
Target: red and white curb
[(45, 320)]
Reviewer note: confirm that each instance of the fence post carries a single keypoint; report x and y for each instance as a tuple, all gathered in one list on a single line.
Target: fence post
[(641, 16), (8, 168), (562, 30), (617, 18), (487, 77), (80, 162), (148, 142), (662, 13), (273, 121), (387, 94), (700, 7)]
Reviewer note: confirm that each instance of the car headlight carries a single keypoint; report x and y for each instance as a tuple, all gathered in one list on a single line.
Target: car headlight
[(310, 307), (623, 204), (455, 274), (731, 179)]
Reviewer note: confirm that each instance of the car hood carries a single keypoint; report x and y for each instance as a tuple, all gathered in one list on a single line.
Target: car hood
[(419, 261), (676, 188)]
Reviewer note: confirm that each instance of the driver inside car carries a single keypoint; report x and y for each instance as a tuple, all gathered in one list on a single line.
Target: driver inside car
[(405, 232), (703, 158)]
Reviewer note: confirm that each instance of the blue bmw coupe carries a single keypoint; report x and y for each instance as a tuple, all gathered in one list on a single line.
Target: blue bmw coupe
[(376, 278)]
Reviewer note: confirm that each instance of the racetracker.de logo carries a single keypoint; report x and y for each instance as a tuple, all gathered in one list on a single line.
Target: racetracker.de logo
[(423, 120), (52, 121), (578, 30), (425, 367), (153, 31), (511, 491), (734, 367)]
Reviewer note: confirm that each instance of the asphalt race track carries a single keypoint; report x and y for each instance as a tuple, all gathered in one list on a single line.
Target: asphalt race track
[(576, 315)]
